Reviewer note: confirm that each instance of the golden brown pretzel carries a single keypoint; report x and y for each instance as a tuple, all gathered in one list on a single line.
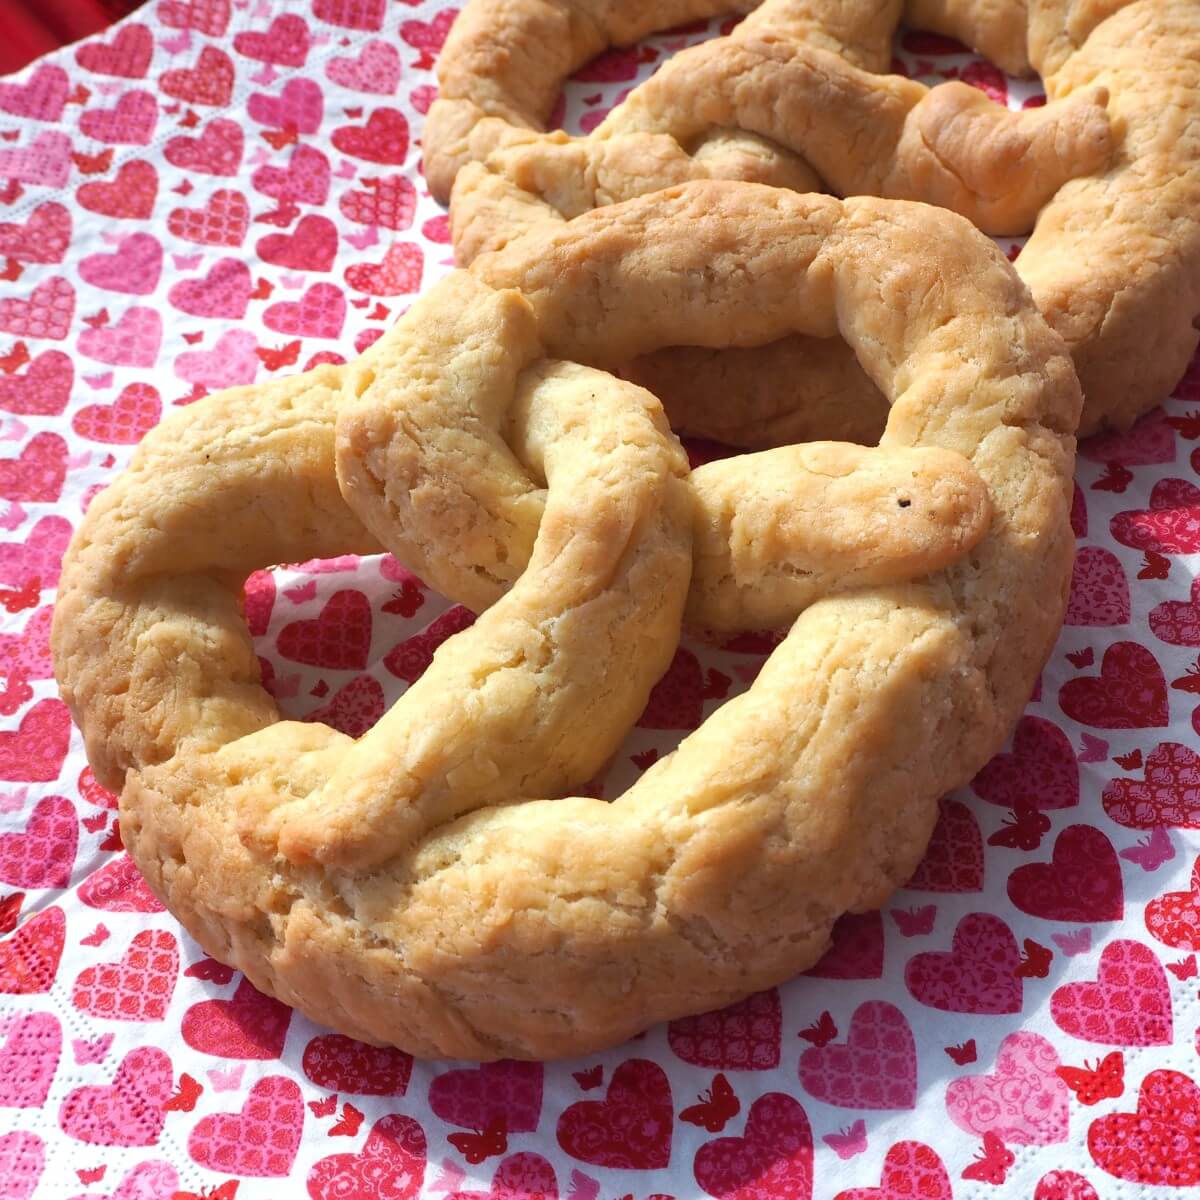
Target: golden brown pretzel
[(408, 887), (1114, 260)]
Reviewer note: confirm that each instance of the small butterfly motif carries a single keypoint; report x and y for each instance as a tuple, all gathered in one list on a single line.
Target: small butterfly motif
[(1185, 968), (184, 1097), (1073, 942), (963, 1053), (483, 1143), (593, 1077), (225, 1191), (1093, 749), (1130, 761), (365, 239), (1081, 658), (1151, 852), (1035, 962), (450, 1177), (992, 1163), (17, 600), (209, 969), (1155, 566), (848, 1142), (913, 922), (91, 1174), (228, 1080), (93, 164), (10, 911), (583, 1187), (1188, 425), (13, 270), (1189, 681), (96, 822), (324, 1108), (718, 1105), (821, 1032), (1093, 1084), (278, 138), (92, 1050), (347, 1125), (15, 359), (96, 937), (1116, 479), (1023, 830), (262, 290), (274, 358)]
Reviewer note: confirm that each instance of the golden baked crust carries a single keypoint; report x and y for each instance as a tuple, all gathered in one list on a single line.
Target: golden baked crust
[(409, 887), (1107, 174)]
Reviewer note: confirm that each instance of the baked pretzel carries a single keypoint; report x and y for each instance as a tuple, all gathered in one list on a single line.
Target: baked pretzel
[(1109, 169), (408, 887)]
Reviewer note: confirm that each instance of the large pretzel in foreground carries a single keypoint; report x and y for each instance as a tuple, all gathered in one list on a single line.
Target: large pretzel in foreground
[(796, 90), (410, 887)]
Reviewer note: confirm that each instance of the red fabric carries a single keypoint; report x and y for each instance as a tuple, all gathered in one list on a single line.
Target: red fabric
[(33, 27)]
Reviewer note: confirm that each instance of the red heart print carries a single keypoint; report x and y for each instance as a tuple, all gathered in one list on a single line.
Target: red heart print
[(28, 1061), (677, 700), (133, 341), (1174, 917), (130, 1111), (42, 96), (210, 81), (37, 474), (1079, 512), (476, 1097), (351, 14), (745, 1036), (38, 557), (223, 292), (231, 362), (772, 1160), (1129, 693), (305, 179), (118, 886), (1178, 621), (630, 1129), (1169, 794), (133, 268), (29, 959), (311, 246), (1041, 769), (409, 659), (223, 221), (261, 1140), (130, 195), (354, 709), (34, 752), (1171, 525), (390, 202), (339, 639), (134, 412), (28, 653), (341, 1064), (209, 17), (320, 312), (618, 65), (953, 859), (217, 151), (911, 1171), (93, 793), (46, 161), (1081, 883), (875, 1068), (43, 855), (376, 69), (127, 56), (45, 314), (258, 601), (390, 1166), (855, 951), (44, 389), (527, 1176), (130, 122), (384, 138), (398, 274), (1099, 589), (1064, 1185), (43, 238), (300, 106), (1159, 1145), (1128, 1005), (977, 975), (284, 43), (428, 36), (136, 988), (1150, 442), (248, 1025), (22, 1161)]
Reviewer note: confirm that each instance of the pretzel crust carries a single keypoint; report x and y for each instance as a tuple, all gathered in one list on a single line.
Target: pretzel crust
[(407, 888), (1107, 174)]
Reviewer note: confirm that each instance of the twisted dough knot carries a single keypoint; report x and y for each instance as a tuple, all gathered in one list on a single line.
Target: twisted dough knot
[(1107, 174), (410, 887)]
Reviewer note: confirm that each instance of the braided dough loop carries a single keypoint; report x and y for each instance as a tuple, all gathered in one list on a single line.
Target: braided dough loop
[(404, 888)]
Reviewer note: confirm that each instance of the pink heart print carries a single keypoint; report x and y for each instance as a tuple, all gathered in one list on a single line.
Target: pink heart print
[(339, 639), (123, 423), (300, 105), (1150, 442), (131, 122), (22, 1161), (42, 97), (342, 1064), (209, 82), (745, 1036), (911, 1171), (1099, 589), (45, 314), (856, 949), (127, 56), (209, 17), (261, 1140), (223, 292), (1174, 917), (136, 988), (132, 341), (45, 162), (118, 886), (28, 653), (1129, 693), (1169, 793), (43, 855), (311, 246), (29, 1060), (38, 474), (1064, 1185), (476, 1097), (130, 196), (34, 752), (351, 14), (953, 859), (44, 388), (320, 312), (772, 1160), (977, 975), (630, 1129), (1040, 769), (134, 266), (153, 1180), (217, 151), (399, 274), (1128, 1005), (230, 363), (222, 221), (43, 238), (390, 202), (1171, 525), (284, 43), (875, 1068), (29, 959), (1023, 1101), (130, 1111), (305, 179), (528, 1176), (248, 1025), (409, 659), (376, 69), (390, 1166), (1081, 883), (1178, 621), (354, 708)]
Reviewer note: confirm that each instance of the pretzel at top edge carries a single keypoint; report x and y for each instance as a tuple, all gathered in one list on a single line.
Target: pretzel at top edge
[(409, 887), (1114, 260)]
